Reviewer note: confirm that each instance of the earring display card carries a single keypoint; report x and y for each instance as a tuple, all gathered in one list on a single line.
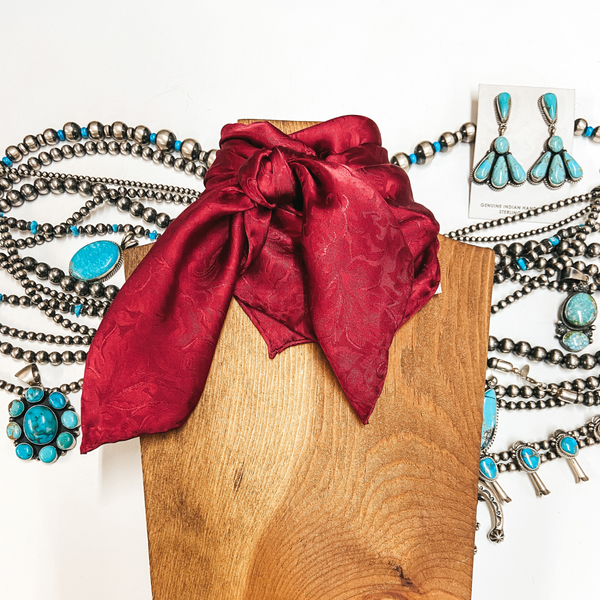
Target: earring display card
[(526, 132)]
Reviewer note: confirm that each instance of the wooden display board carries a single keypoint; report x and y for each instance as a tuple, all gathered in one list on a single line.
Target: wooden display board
[(274, 490)]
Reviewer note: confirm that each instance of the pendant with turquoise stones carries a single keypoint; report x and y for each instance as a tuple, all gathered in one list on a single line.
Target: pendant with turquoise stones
[(43, 425), (555, 166), (498, 167), (576, 320), (567, 447), (528, 459), (100, 260)]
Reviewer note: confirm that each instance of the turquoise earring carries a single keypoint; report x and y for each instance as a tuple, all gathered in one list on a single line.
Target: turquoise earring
[(499, 167), (555, 165)]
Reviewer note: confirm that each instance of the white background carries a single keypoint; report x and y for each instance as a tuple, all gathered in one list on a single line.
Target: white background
[(76, 529)]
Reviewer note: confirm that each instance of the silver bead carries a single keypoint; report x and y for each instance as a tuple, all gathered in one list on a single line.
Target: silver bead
[(580, 126), (14, 154), (190, 149), (72, 132), (210, 158), (149, 215), (595, 137), (136, 150), (95, 130), (56, 186), (168, 160), (200, 172), (35, 163), (165, 140), (130, 133), (41, 185), (67, 151), (424, 152), (163, 220), (113, 148), (467, 132), (102, 147), (29, 192), (125, 148), (71, 185), (51, 137), (14, 198), (402, 160), (40, 139), (190, 167), (90, 148), (56, 154), (157, 157), (31, 142), (107, 131), (179, 164), (147, 153), (5, 184), (79, 150), (142, 134), (119, 130), (85, 187), (447, 141)]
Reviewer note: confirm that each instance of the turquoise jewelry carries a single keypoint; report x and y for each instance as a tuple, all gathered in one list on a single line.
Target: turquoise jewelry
[(555, 165), (43, 424), (498, 168)]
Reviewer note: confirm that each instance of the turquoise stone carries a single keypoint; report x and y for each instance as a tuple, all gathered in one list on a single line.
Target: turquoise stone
[(34, 394), (531, 458), (500, 173), (550, 104), (503, 103), (569, 446), (40, 425), (580, 310), (15, 408), (488, 468), (573, 169), (13, 431), (555, 143), (517, 172), (575, 341), (490, 419), (70, 419), (540, 168), (57, 400), (48, 454), (65, 441), (94, 261), (501, 145), (24, 451), (557, 174), (484, 168)]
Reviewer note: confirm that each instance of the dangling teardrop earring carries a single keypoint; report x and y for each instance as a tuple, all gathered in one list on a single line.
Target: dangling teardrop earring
[(555, 165), (499, 167)]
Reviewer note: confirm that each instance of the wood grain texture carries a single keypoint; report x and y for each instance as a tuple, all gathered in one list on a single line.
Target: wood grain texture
[(274, 490)]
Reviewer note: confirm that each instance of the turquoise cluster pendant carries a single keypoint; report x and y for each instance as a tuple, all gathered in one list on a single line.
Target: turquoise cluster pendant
[(498, 167), (42, 425), (555, 166)]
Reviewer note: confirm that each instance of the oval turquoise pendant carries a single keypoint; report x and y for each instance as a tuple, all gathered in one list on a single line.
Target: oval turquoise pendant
[(580, 310), (96, 261)]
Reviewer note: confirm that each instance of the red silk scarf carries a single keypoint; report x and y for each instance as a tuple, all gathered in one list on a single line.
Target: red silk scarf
[(318, 238)]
